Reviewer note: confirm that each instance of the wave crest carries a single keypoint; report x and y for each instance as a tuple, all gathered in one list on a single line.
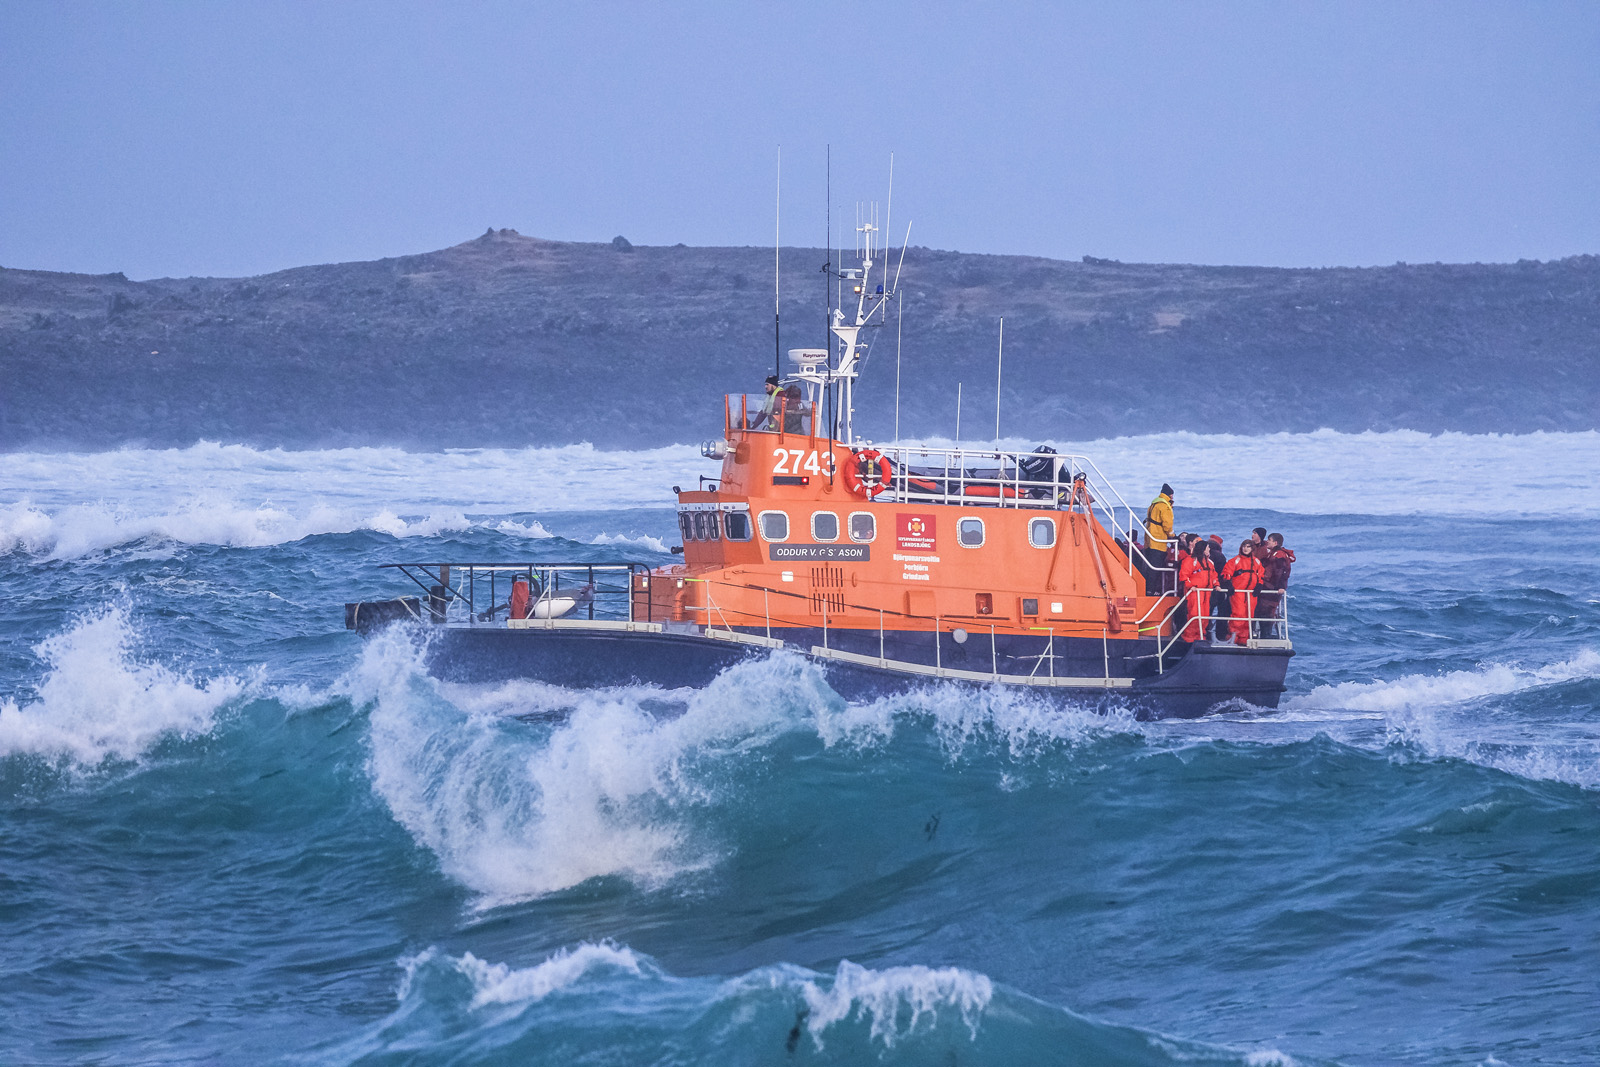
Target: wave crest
[(80, 529), (97, 702), (601, 783)]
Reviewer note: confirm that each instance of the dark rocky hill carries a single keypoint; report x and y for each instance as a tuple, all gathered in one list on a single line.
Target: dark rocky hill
[(507, 340)]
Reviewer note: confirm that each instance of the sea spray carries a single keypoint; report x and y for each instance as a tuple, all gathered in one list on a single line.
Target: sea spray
[(513, 811), (98, 702), (80, 530), (606, 1003)]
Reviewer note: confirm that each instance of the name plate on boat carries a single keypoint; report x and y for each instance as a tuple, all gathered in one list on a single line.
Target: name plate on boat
[(834, 553)]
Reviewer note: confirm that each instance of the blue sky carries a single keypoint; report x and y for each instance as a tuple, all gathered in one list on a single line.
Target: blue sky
[(178, 138)]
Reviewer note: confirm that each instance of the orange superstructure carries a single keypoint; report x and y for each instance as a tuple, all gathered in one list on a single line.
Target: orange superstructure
[(781, 542)]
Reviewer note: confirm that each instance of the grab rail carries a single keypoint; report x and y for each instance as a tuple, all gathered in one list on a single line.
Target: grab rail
[(607, 599)]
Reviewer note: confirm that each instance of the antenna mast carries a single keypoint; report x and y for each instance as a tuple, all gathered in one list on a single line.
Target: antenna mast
[(831, 372), (999, 362), (899, 317), (777, 231)]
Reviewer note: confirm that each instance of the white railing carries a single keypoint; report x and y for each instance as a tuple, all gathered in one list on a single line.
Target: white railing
[(1279, 623)]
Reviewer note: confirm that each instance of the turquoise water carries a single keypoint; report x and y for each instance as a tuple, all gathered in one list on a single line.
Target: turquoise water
[(232, 832)]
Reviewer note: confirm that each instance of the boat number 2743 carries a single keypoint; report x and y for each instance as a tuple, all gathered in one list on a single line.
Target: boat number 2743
[(799, 461)]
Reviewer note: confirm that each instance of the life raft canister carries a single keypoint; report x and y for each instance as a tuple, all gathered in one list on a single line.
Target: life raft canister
[(855, 477)]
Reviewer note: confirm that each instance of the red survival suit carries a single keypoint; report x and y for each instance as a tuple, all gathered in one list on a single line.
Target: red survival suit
[(1199, 578), (1245, 574)]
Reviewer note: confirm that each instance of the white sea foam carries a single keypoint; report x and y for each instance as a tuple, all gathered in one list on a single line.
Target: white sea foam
[(497, 983), (533, 528), (64, 504), (79, 529), (645, 541), (1025, 724), (513, 812), (1452, 687), (97, 702), (896, 1001), (1397, 472), (1437, 716)]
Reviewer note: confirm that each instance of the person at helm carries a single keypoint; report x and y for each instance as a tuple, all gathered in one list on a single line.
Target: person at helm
[(767, 418)]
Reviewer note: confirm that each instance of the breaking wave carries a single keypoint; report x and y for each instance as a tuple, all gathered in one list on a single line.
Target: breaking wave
[(1438, 716), (645, 541), (1452, 687), (522, 789), (82, 529), (97, 702), (604, 788), (605, 1003)]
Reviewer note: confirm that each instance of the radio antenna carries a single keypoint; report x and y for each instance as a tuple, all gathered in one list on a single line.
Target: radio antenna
[(958, 414), (888, 208), (777, 233), (899, 319), (902, 262), (999, 362), (827, 267)]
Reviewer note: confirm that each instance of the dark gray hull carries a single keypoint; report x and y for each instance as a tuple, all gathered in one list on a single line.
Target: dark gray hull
[(1081, 671)]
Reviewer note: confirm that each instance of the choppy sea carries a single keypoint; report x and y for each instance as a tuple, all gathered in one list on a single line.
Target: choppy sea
[(231, 832)]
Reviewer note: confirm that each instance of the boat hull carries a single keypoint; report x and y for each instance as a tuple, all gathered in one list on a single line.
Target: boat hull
[(1205, 678)]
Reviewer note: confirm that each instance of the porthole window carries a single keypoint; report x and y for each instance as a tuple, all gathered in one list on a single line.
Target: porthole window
[(775, 525), (969, 533), (736, 524), (863, 527), (1041, 533), (824, 526)]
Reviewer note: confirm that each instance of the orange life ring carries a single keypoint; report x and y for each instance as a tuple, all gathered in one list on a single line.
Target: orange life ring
[(855, 483)]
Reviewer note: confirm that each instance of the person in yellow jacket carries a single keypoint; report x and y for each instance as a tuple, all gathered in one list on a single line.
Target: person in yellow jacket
[(1158, 534)]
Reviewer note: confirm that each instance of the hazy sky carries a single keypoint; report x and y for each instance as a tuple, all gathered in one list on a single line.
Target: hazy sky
[(237, 137)]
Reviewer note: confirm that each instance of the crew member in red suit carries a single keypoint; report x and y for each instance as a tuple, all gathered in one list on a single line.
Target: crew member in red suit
[(1243, 572), (1198, 578), (1275, 564)]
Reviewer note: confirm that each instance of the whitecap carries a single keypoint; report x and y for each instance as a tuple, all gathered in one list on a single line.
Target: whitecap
[(97, 702), (606, 789), (645, 541)]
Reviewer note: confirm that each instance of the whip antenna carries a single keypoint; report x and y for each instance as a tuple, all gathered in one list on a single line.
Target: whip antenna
[(827, 267), (902, 257), (777, 231), (899, 318), (888, 208), (999, 362)]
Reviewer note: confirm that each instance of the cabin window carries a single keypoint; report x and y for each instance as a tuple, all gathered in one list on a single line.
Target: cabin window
[(1041, 532), (863, 527), (969, 532), (775, 525), (686, 525), (713, 530), (1030, 605), (736, 524), (824, 526)]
